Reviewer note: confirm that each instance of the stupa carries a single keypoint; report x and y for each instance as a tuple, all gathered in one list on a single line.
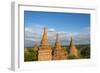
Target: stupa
[(35, 47), (73, 52), (44, 51), (58, 52)]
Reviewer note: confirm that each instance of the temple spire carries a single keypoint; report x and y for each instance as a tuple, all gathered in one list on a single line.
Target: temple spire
[(58, 52), (45, 51), (72, 49), (72, 42), (44, 40), (35, 47), (57, 43)]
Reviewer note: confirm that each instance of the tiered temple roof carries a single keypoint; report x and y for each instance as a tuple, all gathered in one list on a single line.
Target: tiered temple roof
[(72, 49), (45, 51), (44, 40), (58, 52), (57, 43)]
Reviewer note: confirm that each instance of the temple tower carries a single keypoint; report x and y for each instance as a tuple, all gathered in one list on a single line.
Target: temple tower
[(35, 47), (73, 52), (58, 52), (45, 51)]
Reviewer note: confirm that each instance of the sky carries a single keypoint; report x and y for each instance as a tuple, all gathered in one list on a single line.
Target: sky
[(56, 22)]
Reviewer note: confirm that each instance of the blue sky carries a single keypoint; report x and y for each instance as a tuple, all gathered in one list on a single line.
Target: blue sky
[(76, 23), (72, 21)]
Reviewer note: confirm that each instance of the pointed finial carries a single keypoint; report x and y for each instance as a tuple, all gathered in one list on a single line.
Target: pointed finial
[(57, 43), (44, 40), (57, 37), (45, 28), (71, 36), (71, 40)]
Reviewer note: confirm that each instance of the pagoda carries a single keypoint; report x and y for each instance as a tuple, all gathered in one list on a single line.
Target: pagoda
[(58, 52), (35, 47), (73, 52), (44, 51)]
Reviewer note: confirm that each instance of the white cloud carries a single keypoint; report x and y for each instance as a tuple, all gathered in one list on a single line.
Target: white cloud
[(83, 36), (51, 30), (35, 34)]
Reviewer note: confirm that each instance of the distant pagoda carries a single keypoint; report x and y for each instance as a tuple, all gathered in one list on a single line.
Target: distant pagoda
[(73, 52), (44, 51), (59, 52), (35, 47)]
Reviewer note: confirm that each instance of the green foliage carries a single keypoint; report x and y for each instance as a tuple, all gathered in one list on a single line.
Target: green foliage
[(30, 55), (85, 52), (72, 57)]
